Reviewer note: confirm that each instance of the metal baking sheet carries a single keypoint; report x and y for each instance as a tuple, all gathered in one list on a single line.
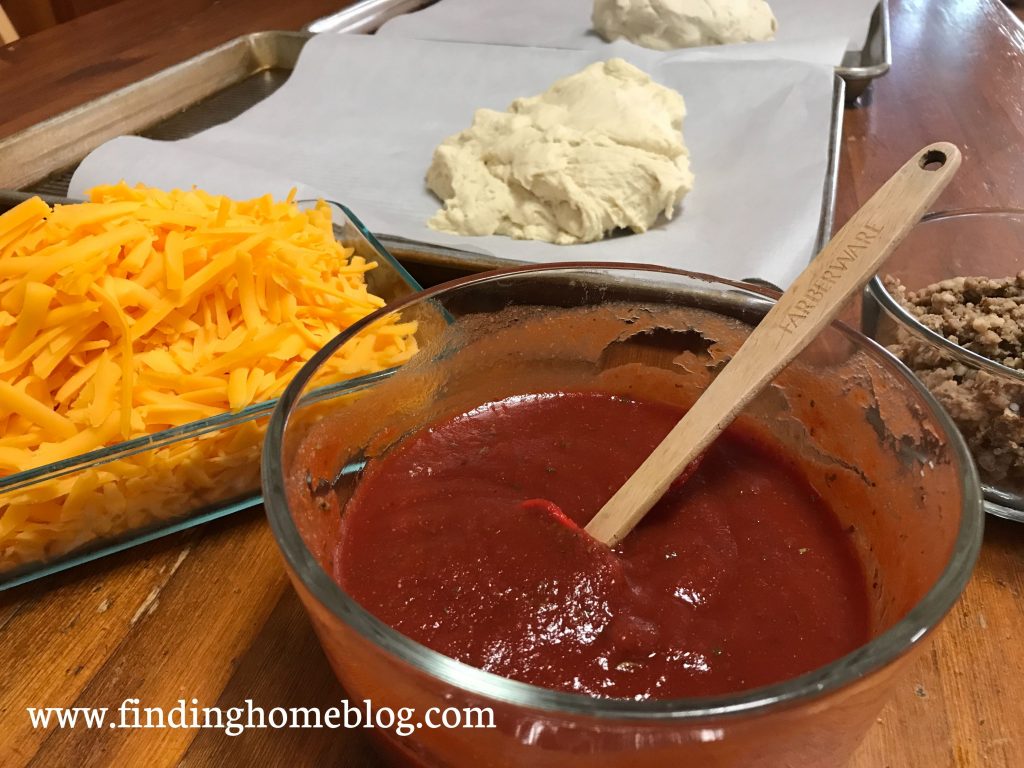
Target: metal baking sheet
[(858, 69), (214, 87), (365, 16), (189, 97)]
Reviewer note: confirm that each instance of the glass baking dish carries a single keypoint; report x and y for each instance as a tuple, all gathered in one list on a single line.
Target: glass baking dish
[(216, 463)]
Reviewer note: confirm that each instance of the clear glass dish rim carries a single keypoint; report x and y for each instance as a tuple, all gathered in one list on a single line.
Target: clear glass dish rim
[(898, 312), (873, 656)]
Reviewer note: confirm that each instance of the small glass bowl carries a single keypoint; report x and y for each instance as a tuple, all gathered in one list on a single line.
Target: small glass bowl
[(983, 397), (870, 438)]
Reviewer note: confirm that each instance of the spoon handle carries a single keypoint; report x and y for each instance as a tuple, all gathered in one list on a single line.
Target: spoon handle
[(815, 297)]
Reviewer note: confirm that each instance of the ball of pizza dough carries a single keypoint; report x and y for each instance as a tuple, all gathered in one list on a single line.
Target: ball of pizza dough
[(667, 24)]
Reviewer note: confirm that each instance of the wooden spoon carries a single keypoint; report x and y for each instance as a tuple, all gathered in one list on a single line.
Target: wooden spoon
[(816, 296)]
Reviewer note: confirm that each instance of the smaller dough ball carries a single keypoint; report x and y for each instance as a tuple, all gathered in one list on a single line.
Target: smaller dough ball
[(667, 24)]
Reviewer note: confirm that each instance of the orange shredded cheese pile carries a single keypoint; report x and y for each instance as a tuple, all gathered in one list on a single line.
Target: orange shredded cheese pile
[(142, 310)]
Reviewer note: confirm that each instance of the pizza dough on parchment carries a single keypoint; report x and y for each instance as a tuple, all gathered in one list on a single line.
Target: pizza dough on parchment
[(598, 151), (667, 24)]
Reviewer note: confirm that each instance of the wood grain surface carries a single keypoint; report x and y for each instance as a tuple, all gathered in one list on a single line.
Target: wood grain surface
[(209, 613)]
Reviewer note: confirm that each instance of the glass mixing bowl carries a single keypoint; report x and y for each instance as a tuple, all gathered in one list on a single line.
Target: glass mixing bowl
[(869, 438), (983, 397)]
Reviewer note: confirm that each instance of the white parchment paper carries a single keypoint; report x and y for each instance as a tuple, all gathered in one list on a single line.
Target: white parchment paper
[(809, 30), (361, 115)]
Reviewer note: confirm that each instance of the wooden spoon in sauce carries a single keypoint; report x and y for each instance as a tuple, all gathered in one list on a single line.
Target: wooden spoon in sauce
[(815, 297)]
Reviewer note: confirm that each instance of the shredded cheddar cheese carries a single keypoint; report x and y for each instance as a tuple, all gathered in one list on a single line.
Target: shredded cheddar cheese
[(142, 310)]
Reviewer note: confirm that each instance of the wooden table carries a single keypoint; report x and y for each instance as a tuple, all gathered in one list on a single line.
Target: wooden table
[(209, 613)]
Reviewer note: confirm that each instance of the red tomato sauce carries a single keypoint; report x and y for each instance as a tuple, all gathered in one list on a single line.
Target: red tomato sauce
[(739, 578)]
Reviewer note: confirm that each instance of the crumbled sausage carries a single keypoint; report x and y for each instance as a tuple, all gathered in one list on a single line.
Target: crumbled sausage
[(986, 316)]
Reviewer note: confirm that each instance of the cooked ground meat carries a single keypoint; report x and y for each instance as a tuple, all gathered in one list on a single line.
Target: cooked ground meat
[(986, 316)]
